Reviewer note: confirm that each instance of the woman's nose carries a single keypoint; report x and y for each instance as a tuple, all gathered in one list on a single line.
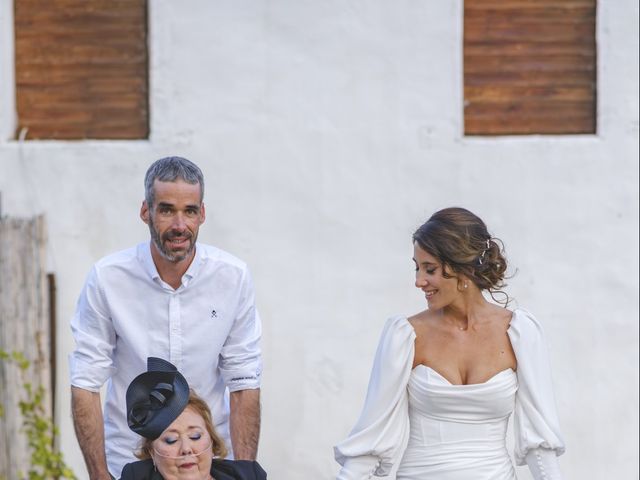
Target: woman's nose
[(421, 281), (186, 448)]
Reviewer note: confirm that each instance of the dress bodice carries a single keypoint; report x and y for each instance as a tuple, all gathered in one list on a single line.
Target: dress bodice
[(458, 431), (433, 396)]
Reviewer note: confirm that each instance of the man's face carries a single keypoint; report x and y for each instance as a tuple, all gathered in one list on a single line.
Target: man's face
[(174, 219)]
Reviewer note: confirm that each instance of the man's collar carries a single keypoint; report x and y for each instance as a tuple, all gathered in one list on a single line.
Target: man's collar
[(196, 263), (152, 271), (147, 260)]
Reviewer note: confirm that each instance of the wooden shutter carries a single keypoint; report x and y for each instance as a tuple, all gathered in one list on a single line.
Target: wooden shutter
[(529, 67), (81, 68)]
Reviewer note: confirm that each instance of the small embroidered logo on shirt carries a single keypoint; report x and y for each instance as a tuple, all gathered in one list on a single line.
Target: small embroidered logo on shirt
[(214, 314)]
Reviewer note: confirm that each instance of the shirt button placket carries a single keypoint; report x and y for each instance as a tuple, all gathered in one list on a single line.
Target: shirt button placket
[(175, 331)]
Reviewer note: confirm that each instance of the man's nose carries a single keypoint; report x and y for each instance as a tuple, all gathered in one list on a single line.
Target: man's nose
[(179, 222)]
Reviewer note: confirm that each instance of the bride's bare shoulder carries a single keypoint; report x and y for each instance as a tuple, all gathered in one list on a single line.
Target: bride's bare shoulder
[(500, 314), (420, 319)]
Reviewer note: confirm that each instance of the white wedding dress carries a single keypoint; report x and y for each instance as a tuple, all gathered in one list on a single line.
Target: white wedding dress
[(417, 421)]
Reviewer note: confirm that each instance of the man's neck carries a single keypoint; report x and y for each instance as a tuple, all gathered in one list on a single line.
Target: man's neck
[(170, 272)]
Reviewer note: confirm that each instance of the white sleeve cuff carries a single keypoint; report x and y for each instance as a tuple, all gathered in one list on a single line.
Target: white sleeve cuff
[(242, 380), (358, 468), (88, 376), (543, 464)]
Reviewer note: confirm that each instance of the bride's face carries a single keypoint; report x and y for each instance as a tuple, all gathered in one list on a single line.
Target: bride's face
[(183, 450), (439, 290)]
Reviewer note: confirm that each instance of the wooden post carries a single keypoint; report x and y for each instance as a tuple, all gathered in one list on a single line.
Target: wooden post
[(24, 327)]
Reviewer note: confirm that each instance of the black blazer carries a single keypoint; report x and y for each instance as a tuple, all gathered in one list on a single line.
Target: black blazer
[(220, 470)]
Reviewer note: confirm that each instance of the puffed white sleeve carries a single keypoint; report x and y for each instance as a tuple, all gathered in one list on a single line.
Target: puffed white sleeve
[(538, 440), (375, 443)]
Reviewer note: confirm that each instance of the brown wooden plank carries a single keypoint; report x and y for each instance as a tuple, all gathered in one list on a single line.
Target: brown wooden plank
[(69, 110), (65, 9), (119, 58), (526, 126), (79, 49), (533, 32), (509, 93), (70, 131), (530, 63), (483, 5), (64, 109), (61, 25), (533, 107), (113, 35), (529, 66), (474, 50), (558, 11), (124, 132), (39, 74), (540, 78), (81, 66)]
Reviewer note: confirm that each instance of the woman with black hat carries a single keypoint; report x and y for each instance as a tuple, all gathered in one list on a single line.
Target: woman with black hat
[(180, 441)]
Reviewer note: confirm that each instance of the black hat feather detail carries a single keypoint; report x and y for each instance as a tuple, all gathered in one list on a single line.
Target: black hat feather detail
[(156, 398)]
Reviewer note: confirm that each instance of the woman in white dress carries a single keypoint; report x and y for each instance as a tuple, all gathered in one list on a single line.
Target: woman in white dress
[(446, 380)]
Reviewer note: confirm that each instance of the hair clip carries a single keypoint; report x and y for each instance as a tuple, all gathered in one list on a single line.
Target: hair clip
[(481, 257)]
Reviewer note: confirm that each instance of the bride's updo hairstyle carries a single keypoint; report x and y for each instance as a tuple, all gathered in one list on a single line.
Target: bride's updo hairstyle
[(460, 240)]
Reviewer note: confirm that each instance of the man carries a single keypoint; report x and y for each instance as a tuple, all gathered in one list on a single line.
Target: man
[(173, 298)]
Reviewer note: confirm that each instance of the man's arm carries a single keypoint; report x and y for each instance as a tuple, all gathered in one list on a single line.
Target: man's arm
[(87, 421), (245, 423)]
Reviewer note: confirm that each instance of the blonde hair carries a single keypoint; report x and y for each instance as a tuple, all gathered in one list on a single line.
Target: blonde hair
[(199, 406)]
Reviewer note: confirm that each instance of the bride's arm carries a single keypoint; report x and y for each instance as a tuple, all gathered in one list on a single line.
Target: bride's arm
[(537, 430), (374, 445)]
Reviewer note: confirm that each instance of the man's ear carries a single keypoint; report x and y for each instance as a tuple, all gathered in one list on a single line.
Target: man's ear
[(202, 213), (144, 212)]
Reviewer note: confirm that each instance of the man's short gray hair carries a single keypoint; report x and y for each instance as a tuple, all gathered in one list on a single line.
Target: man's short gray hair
[(170, 169)]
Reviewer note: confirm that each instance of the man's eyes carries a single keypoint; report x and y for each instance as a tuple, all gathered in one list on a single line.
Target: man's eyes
[(169, 211)]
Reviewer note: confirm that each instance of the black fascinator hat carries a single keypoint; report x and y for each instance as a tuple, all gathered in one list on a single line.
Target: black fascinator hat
[(156, 398)]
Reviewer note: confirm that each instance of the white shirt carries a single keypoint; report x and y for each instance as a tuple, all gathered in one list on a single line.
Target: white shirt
[(208, 328)]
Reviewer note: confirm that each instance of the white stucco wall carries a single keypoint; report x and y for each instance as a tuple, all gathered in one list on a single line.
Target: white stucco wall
[(327, 132)]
